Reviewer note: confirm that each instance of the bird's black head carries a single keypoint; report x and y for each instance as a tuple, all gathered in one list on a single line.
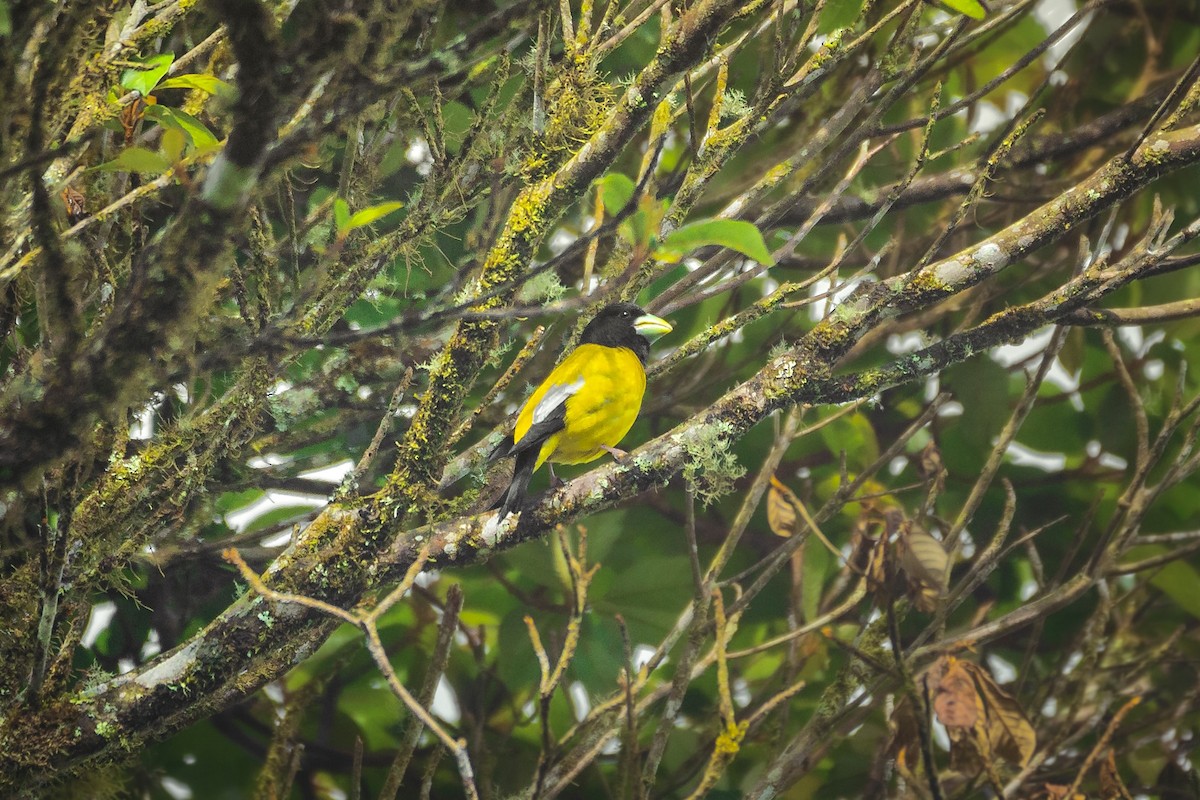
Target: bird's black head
[(625, 325)]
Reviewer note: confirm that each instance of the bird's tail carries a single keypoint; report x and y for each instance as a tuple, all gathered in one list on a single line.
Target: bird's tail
[(512, 499)]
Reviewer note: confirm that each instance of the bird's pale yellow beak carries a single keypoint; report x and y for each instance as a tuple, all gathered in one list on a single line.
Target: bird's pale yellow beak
[(651, 326)]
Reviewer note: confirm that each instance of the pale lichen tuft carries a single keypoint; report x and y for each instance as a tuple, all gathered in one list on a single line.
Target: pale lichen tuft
[(711, 467)]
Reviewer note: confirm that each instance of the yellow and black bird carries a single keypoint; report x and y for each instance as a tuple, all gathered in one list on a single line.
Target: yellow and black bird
[(587, 403)]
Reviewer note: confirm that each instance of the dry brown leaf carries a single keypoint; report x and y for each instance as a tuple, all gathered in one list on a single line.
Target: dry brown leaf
[(876, 562), (905, 745), (781, 513), (75, 203), (954, 698), (968, 754), (925, 562), (957, 705), (1111, 785), (931, 469), (982, 720), (1005, 725), (785, 513), (924, 556), (929, 463), (925, 598)]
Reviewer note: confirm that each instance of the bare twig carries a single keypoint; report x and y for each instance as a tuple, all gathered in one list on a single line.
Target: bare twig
[(437, 666), (1102, 743), (367, 623)]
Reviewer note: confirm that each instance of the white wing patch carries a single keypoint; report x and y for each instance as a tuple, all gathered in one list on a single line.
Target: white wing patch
[(554, 397)]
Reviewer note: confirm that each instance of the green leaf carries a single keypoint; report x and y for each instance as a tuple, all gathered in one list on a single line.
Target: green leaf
[(365, 216), (1074, 350), (599, 657), (647, 594), (515, 661), (173, 142), (640, 227), (854, 435), (816, 563), (144, 80), (5, 19), (169, 117), (137, 159), (341, 216), (374, 713), (231, 501), (737, 235), (981, 385), (273, 515), (616, 191), (205, 83), (969, 8), (1176, 579), (841, 14)]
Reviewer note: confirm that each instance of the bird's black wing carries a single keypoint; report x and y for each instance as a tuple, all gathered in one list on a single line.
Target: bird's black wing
[(539, 432), (550, 417)]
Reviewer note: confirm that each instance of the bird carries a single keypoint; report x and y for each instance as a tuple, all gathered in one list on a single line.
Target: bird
[(587, 404)]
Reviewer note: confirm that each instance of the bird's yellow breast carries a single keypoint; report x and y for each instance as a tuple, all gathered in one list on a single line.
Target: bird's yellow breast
[(598, 413)]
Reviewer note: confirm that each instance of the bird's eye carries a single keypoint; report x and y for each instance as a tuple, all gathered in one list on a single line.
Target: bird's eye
[(624, 313)]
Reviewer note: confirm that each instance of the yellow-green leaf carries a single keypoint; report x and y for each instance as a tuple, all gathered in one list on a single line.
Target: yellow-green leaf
[(205, 83), (143, 79), (970, 8), (365, 216), (137, 159), (1176, 579), (616, 190), (341, 216), (639, 229), (737, 235), (173, 142), (169, 117)]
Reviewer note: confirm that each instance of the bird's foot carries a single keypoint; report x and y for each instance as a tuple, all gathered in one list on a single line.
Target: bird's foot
[(617, 453), (555, 481)]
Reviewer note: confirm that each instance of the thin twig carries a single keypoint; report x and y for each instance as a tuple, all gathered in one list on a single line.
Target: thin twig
[(437, 666), (367, 624), (385, 426), (1102, 743)]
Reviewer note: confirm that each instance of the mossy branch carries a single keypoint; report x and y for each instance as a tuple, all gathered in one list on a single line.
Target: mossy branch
[(538, 205)]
